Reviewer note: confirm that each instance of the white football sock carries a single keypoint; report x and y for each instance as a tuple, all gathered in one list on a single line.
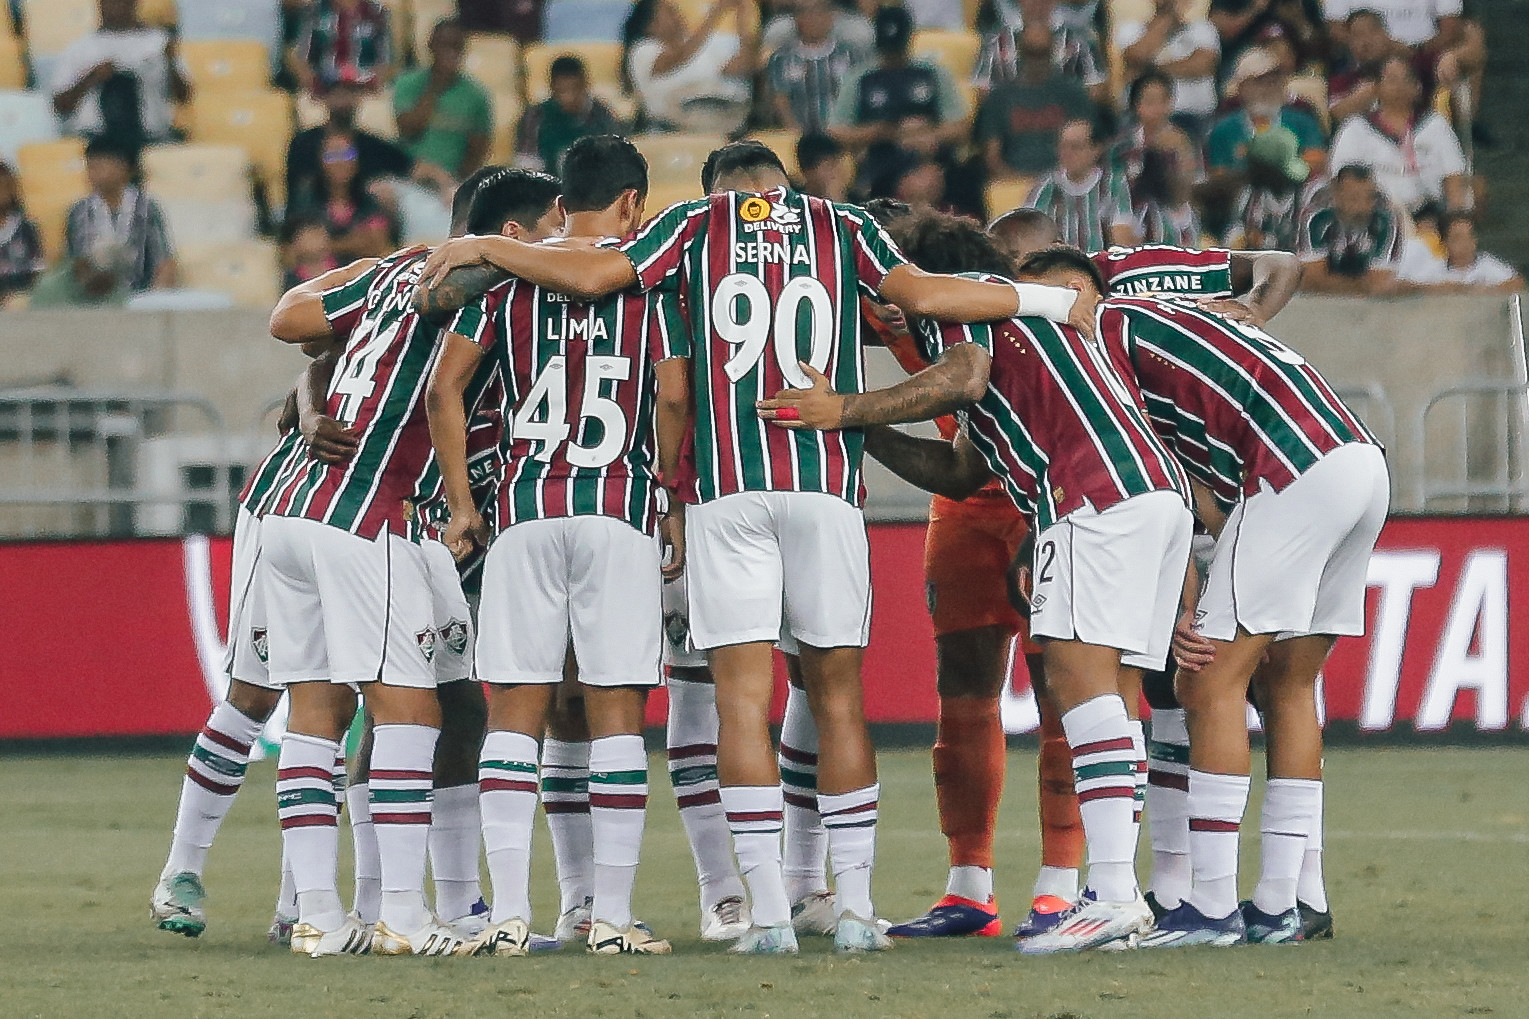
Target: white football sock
[(1311, 889), (1104, 773), (363, 836), (403, 760), (214, 775), (286, 897), (1059, 882), (507, 787), (618, 803), (692, 745), (851, 822), (1139, 747), (1290, 805), (565, 801), (806, 840), (1216, 805), (456, 830), (1168, 806), (308, 812), (975, 883), (754, 817)]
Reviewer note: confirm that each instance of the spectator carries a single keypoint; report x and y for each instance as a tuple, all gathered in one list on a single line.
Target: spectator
[(850, 26), (1074, 51), (690, 80), (1268, 212), (445, 118), (306, 251), (343, 40), (1018, 122), (1247, 24), (825, 166), (1164, 214), (375, 157), (1091, 205), (1464, 269), (358, 226), (935, 14), (1434, 27), (920, 184), (1350, 244), (1351, 85), (21, 257), (1416, 159), (1182, 47), (898, 95), (570, 113), (1262, 88), (807, 71), (115, 243), (119, 82), (1150, 130)]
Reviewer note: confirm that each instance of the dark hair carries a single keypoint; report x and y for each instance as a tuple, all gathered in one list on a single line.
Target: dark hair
[(1097, 135), (893, 27), (1154, 183), (112, 148), (523, 196), (739, 157), (1151, 76), (887, 211), (633, 31), (462, 198), (598, 169), (296, 224), (1061, 257), (1024, 220), (1353, 171), (1363, 12), (567, 66), (1396, 58), (814, 149), (940, 242), (442, 25)]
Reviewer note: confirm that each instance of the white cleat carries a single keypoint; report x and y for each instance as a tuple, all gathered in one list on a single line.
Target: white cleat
[(573, 925), (434, 938), (510, 938), (178, 904), (726, 920), (1093, 924), (280, 932), (815, 914), (469, 926), (351, 938), (855, 934), (777, 940), (636, 939)]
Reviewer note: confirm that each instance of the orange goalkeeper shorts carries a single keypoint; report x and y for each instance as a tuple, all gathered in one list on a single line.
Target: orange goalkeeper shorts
[(967, 552)]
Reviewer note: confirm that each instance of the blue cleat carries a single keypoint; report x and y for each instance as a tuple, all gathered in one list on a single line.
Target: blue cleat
[(953, 917), (1184, 925), (1270, 928), (1045, 913)]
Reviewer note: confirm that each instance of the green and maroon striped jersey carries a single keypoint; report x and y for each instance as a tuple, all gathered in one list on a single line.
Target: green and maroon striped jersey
[(1166, 269), (768, 280), (578, 438), (1084, 213), (264, 480), (378, 390)]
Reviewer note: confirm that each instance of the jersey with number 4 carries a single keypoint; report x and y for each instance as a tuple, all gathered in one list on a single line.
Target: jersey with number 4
[(1237, 406), (578, 398), (378, 391), (769, 280), (1166, 269)]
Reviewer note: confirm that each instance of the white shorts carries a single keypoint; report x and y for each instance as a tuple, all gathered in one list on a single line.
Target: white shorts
[(679, 650), (345, 609), (453, 620), (1294, 562), (1114, 578), (760, 559), (247, 640), (591, 579)]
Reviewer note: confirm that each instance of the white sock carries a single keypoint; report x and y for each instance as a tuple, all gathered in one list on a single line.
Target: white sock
[(851, 822), (1216, 805), (403, 761), (565, 801), (363, 836), (806, 841), (1058, 882), (306, 806), (975, 883), (1290, 805), (507, 787), (456, 830), (1168, 806), (1104, 773), (692, 743), (618, 803), (1311, 889), (214, 774), (754, 817), (286, 897)]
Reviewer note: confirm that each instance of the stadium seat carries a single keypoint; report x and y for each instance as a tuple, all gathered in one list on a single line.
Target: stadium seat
[(13, 65), (677, 158), (954, 51), (199, 170), (695, 10), (52, 179), (259, 122), (494, 60), (25, 117), (400, 29), (158, 12), (52, 25), (227, 65), (579, 20), (1007, 195), (374, 115), (423, 17), (249, 272), (507, 111), (783, 144), (231, 19), (602, 61), (663, 195)]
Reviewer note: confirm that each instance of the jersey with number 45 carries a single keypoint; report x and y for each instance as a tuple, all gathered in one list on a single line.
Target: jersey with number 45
[(769, 280), (578, 433)]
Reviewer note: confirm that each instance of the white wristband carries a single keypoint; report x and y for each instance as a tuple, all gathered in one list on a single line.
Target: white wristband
[(1054, 303)]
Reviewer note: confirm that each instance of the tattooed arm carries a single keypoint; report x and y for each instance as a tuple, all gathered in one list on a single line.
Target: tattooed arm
[(958, 379), (1266, 281), (952, 469), (457, 290)]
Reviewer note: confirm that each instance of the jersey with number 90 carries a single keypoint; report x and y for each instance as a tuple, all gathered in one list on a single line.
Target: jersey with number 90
[(769, 280), (579, 392)]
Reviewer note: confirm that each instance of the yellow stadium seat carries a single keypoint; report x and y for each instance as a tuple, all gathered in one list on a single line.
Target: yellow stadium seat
[(783, 144), (602, 62), (954, 51), (52, 179), (259, 122), (507, 110), (248, 272), (197, 171), (158, 12), (376, 115), (677, 158), (1007, 195), (969, 8), (52, 25), (227, 65), (494, 60), (661, 195), (13, 68)]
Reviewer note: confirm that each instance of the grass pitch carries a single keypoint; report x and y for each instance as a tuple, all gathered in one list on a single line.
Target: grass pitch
[(1428, 854)]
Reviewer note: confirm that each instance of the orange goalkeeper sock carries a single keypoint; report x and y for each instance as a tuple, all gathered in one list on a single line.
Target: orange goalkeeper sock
[(1061, 822), (969, 759)]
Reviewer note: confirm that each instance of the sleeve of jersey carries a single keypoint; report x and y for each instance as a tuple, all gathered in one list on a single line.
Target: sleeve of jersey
[(344, 304), (658, 250), (940, 337), (670, 335), (876, 254), (475, 321)]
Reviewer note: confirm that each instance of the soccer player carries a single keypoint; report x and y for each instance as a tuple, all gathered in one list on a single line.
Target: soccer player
[(587, 385), (777, 530), (1062, 432)]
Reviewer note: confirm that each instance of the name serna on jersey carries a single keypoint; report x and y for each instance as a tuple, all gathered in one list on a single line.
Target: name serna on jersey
[(768, 280), (1166, 269)]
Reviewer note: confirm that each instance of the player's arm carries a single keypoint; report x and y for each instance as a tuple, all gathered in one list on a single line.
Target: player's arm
[(586, 273), (299, 317), (922, 294), (445, 407), (958, 379), (459, 288), (1207, 509), (952, 469), (330, 441), (1266, 281), (672, 421)]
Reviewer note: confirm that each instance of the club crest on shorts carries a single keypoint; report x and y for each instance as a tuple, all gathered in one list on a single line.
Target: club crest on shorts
[(426, 639), (261, 644), (676, 628), (454, 634)]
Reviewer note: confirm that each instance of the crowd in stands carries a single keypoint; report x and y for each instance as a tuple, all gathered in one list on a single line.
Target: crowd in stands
[(1337, 129)]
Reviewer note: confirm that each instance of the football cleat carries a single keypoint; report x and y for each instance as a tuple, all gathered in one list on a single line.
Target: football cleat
[(434, 938), (636, 939), (1046, 911), (351, 938), (178, 904), (1091, 924), (573, 925), (474, 923), (1270, 928), (1184, 926), (777, 940), (512, 937), (726, 920), (543, 943), (280, 932), (1158, 909), (1316, 925), (856, 934), (953, 917), (815, 914)]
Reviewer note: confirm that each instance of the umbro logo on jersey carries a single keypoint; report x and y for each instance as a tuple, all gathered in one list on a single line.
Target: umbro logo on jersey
[(426, 639), (1037, 600)]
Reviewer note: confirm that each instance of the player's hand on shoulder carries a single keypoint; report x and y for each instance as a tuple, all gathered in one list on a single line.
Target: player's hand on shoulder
[(465, 532), (1233, 309), (451, 255), (819, 407), (1081, 318), (330, 441)]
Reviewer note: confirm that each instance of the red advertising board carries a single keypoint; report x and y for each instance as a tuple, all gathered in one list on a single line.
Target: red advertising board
[(125, 638)]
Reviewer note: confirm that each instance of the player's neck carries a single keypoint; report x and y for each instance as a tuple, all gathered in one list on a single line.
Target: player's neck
[(602, 223)]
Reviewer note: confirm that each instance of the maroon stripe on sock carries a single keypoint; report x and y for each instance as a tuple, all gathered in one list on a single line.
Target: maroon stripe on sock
[(618, 801), (489, 785), (692, 750), (796, 756), (1168, 780), (310, 821), (1108, 792), (565, 806), (798, 800), (292, 774), (751, 816), (226, 741), (1103, 746), (1210, 824), (401, 818), (400, 776), (701, 799), (209, 784), (858, 808)]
